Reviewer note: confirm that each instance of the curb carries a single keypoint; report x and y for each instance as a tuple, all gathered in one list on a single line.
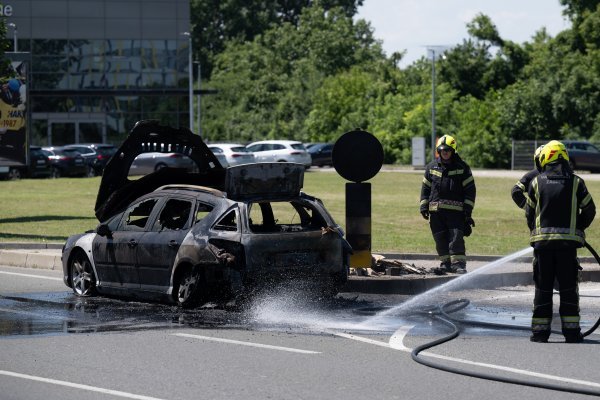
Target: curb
[(48, 256), (31, 259)]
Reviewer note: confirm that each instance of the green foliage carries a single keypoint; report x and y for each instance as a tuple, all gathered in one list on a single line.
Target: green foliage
[(266, 87), (306, 70)]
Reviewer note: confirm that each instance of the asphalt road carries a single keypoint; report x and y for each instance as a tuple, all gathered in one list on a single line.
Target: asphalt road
[(54, 345)]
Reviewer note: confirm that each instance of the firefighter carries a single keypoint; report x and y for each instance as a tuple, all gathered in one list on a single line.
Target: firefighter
[(558, 211), (447, 201), (521, 188)]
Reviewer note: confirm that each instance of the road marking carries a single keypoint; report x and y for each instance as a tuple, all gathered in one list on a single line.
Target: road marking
[(263, 346), (397, 343), (78, 386), (31, 276)]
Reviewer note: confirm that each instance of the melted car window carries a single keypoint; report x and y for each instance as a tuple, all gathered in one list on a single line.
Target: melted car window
[(227, 223), (283, 216), (136, 217), (174, 215), (202, 211)]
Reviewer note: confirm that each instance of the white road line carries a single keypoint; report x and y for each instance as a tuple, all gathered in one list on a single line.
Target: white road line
[(397, 343), (78, 386), (263, 346), (31, 276)]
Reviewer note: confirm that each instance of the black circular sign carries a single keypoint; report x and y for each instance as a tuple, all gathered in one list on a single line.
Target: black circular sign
[(357, 156)]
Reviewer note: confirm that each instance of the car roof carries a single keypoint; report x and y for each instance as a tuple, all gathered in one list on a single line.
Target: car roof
[(193, 188), (226, 145), (276, 142)]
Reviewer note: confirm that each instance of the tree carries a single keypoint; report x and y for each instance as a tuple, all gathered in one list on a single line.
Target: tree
[(214, 22), (267, 86)]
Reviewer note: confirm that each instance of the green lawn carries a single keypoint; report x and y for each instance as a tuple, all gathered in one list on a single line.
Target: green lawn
[(49, 210)]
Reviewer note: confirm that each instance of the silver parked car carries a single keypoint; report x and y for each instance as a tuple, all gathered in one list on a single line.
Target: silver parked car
[(235, 154), (188, 238), (280, 151), (147, 163)]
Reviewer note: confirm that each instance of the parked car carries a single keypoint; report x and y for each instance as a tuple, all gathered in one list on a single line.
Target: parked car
[(320, 153), (235, 154), (280, 151), (40, 165), (583, 155), (188, 238), (66, 162), (96, 155), (147, 163)]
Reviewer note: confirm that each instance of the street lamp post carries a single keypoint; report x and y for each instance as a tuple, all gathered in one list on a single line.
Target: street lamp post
[(14, 26), (198, 99), (190, 80), (439, 50), (433, 133)]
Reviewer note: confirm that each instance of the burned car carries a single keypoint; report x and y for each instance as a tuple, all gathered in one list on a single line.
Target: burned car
[(191, 237)]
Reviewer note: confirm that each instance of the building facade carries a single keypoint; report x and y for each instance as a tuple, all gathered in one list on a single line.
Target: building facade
[(98, 66)]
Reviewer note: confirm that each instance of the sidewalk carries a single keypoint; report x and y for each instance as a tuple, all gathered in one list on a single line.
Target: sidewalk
[(513, 273)]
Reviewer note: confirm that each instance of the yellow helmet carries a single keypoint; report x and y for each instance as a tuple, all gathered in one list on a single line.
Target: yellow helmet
[(552, 152), (536, 156), (446, 141)]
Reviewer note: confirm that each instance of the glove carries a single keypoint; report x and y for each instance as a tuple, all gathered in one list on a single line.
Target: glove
[(468, 224), (425, 214)]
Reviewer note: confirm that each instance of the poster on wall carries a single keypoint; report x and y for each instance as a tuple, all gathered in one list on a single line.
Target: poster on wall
[(13, 113)]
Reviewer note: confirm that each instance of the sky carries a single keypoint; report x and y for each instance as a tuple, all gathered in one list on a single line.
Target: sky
[(412, 25)]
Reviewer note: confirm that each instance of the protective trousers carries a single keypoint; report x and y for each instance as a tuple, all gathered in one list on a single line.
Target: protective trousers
[(562, 265), (447, 228)]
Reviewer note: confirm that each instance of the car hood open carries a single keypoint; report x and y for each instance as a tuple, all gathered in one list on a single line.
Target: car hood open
[(117, 191)]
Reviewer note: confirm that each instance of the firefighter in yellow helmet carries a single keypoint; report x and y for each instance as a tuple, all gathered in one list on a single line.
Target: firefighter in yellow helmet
[(558, 210), (520, 189), (447, 201)]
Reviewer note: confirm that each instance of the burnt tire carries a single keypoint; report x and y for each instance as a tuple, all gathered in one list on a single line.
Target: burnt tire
[(187, 291), (81, 274)]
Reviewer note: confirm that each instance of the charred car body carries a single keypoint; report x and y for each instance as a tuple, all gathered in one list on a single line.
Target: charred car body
[(189, 237)]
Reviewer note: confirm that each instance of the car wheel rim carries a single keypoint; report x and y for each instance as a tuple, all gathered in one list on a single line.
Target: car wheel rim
[(186, 288), (81, 277)]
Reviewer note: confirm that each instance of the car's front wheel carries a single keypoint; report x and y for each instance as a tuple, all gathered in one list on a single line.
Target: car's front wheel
[(83, 280), (188, 288)]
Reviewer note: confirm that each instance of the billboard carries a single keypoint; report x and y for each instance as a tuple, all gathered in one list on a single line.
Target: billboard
[(13, 111)]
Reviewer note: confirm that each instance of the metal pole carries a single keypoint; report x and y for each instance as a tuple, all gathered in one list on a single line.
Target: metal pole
[(433, 133), (190, 81), (191, 85), (199, 99), (14, 26)]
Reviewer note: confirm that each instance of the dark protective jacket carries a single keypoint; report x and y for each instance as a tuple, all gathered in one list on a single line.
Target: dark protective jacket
[(521, 188), (448, 186), (559, 208)]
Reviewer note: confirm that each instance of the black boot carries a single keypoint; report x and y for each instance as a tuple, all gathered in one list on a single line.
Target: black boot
[(539, 338), (574, 338)]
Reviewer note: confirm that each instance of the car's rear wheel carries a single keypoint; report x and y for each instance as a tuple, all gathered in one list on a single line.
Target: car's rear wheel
[(188, 287), (14, 174), (83, 280), (159, 166)]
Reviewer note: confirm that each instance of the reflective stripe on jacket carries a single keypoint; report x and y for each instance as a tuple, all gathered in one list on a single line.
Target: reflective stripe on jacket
[(448, 186), (558, 209)]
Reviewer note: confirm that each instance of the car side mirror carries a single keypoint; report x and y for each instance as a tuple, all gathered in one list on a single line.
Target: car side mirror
[(103, 230)]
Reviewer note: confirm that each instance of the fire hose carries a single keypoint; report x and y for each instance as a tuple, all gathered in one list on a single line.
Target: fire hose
[(442, 313)]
